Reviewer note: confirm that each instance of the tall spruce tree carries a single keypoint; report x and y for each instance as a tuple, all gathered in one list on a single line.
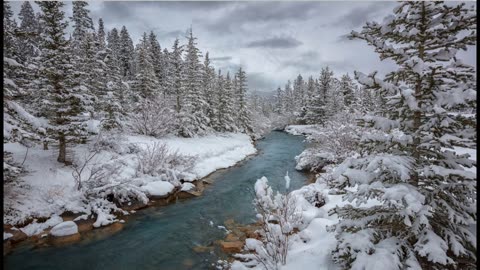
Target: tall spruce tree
[(63, 105), (208, 90), (193, 119), (427, 195), (225, 113), (101, 35), (243, 113), (28, 34), (146, 84), (126, 54)]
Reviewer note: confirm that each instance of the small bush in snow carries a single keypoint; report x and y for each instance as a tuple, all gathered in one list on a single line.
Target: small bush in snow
[(279, 216), (152, 118), (157, 160)]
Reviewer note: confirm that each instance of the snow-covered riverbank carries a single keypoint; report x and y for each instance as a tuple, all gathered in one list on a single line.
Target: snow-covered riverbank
[(48, 188), (312, 246)]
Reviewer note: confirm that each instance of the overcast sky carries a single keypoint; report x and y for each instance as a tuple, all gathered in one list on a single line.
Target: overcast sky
[(272, 41)]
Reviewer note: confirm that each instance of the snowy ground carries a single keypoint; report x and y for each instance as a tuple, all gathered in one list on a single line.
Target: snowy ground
[(49, 189), (311, 248)]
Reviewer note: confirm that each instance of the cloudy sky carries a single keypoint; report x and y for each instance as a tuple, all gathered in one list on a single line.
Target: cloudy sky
[(273, 41)]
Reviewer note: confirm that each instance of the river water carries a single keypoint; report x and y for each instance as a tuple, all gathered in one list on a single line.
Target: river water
[(163, 237)]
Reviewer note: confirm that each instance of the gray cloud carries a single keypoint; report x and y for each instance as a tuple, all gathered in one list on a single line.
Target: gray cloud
[(358, 16), (275, 42), (221, 58), (241, 13)]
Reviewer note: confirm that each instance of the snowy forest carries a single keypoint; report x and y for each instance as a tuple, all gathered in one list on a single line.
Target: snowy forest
[(338, 170)]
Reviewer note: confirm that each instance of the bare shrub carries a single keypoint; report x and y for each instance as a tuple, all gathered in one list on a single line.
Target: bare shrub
[(152, 118), (279, 217), (156, 160)]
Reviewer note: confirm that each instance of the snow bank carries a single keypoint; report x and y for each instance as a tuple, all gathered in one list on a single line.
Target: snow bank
[(302, 129), (49, 189), (64, 229), (212, 152), (159, 188)]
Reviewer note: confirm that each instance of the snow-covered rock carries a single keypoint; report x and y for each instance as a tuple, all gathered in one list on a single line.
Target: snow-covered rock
[(187, 186), (158, 188), (6, 235), (64, 229)]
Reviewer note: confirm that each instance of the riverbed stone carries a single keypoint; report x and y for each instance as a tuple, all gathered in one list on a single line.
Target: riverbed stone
[(66, 240), (18, 236), (85, 225), (202, 249), (133, 205), (231, 247), (231, 237)]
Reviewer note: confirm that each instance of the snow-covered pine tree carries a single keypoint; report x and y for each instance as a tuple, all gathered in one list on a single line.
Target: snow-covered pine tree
[(126, 54), (176, 75), (193, 118), (113, 42), (27, 33), (11, 60), (334, 99), (288, 101), (315, 113), (83, 51), (208, 87), (166, 81), (300, 98), (225, 95), (278, 101), (299, 92), (155, 52), (16, 126), (101, 35), (243, 114), (426, 192), (347, 88), (62, 104), (146, 84)]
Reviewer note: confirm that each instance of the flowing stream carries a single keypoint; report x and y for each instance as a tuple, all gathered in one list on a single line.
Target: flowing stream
[(163, 237)]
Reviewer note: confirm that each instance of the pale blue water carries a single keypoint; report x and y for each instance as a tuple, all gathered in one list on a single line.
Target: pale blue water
[(163, 237)]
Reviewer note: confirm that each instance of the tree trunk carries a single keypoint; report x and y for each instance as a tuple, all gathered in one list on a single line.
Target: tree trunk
[(62, 149)]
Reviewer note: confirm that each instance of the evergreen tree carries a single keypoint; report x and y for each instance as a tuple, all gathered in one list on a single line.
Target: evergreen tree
[(208, 93), (101, 35), (299, 92), (63, 105), (166, 82), (155, 52), (225, 114), (426, 192), (146, 84), (279, 101), (28, 33), (243, 113), (192, 118), (347, 89), (126, 54), (176, 78)]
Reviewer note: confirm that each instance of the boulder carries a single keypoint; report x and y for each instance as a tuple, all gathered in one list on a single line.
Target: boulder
[(66, 240), (231, 247), (231, 237), (65, 228), (202, 249), (18, 236)]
